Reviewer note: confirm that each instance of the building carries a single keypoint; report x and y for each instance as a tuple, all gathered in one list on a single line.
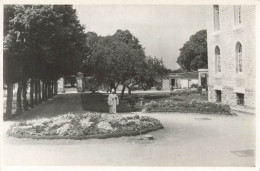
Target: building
[(181, 80), (231, 37), (203, 78)]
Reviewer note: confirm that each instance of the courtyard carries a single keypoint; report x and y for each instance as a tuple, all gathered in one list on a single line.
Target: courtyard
[(188, 139)]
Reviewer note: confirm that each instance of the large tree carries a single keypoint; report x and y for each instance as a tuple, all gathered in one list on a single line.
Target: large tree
[(193, 54), (120, 59), (41, 44)]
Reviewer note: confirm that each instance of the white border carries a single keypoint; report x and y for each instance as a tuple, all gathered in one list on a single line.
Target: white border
[(142, 2)]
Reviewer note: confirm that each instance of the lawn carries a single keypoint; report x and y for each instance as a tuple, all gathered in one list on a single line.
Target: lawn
[(98, 102)]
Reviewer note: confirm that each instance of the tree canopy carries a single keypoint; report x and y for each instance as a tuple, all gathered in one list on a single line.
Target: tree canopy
[(46, 41), (121, 59), (42, 43), (193, 54)]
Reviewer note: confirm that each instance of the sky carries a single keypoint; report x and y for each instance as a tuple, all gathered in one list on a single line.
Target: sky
[(161, 29)]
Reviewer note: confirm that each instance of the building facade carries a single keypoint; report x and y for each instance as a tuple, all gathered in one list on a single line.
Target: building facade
[(231, 37)]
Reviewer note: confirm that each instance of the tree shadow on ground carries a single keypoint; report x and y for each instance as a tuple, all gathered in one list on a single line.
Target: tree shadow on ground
[(59, 104)]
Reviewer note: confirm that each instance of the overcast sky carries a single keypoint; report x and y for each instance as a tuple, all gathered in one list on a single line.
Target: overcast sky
[(162, 30)]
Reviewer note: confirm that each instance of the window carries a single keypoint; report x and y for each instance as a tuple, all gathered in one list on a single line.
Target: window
[(216, 17), (240, 99), (218, 96), (239, 65), (237, 14), (218, 61)]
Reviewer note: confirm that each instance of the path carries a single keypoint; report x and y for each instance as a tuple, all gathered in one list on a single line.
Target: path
[(59, 104), (187, 140)]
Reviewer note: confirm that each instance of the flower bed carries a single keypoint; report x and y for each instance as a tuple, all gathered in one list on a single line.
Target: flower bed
[(185, 107), (84, 126)]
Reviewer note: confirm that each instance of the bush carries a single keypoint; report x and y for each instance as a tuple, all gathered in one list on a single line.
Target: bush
[(194, 86), (132, 100), (192, 107), (199, 89), (178, 98), (184, 92), (158, 88), (155, 96)]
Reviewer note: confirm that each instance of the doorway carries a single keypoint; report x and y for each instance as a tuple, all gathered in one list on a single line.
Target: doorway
[(173, 82)]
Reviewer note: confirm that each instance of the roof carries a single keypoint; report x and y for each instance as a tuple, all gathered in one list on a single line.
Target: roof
[(188, 75)]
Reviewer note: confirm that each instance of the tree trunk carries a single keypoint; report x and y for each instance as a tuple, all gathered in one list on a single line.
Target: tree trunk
[(116, 87), (48, 90), (129, 90), (112, 86), (123, 91), (25, 102), (36, 91), (44, 94), (31, 93), (39, 90), (9, 99), (53, 91), (43, 98), (19, 98), (55, 88)]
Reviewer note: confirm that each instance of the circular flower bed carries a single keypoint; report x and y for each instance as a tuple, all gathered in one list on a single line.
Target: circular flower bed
[(84, 126)]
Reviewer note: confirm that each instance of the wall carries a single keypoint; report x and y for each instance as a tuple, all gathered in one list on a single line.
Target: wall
[(166, 84), (228, 80)]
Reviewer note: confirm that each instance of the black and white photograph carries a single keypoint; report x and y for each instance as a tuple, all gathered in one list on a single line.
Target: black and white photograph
[(146, 85)]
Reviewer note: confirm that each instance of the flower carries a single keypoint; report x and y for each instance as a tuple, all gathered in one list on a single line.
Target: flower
[(85, 123), (63, 130), (104, 126)]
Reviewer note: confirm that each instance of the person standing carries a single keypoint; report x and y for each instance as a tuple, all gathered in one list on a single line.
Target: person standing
[(112, 102)]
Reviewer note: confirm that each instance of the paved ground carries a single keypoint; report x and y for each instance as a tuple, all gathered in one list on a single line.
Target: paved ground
[(187, 140)]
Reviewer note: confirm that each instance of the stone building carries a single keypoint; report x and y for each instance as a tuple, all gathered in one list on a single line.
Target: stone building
[(231, 37)]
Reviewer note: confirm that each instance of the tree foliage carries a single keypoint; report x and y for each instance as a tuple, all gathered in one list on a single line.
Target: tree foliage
[(42, 42), (120, 59), (193, 54)]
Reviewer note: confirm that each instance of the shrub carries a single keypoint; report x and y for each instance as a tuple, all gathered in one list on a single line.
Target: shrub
[(178, 98), (132, 100), (184, 92), (158, 88), (155, 96), (194, 86), (194, 106), (199, 89)]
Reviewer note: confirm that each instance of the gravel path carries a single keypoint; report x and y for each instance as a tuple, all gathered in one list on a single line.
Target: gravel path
[(187, 140)]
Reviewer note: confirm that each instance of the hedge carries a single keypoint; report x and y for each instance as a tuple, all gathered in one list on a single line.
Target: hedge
[(191, 107)]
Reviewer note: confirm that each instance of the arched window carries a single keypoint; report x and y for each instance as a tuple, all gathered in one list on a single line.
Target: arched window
[(239, 61), (237, 14), (218, 61)]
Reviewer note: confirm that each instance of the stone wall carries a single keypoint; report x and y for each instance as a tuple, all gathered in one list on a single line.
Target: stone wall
[(250, 99), (229, 96), (226, 38)]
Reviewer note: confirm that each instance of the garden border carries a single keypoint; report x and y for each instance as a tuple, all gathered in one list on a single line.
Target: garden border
[(231, 114), (97, 136)]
